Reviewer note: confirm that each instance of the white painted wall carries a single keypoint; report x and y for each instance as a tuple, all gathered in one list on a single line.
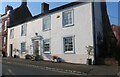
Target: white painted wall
[(82, 30)]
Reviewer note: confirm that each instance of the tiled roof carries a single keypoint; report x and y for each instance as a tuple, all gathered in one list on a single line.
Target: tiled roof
[(19, 15), (22, 14)]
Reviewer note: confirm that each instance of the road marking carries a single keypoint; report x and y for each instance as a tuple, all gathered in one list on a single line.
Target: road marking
[(10, 71), (51, 69), (9, 62)]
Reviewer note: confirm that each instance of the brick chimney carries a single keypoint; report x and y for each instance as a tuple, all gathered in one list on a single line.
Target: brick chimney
[(24, 2), (44, 8), (8, 8)]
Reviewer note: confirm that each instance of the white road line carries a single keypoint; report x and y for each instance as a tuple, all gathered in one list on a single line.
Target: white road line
[(50, 69), (10, 71)]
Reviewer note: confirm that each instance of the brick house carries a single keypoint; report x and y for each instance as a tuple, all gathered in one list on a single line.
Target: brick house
[(116, 30), (3, 33)]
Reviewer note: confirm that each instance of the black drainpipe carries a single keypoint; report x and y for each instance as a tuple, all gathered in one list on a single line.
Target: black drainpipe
[(94, 33)]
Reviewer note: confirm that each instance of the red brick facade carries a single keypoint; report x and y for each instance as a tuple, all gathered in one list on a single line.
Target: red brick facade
[(4, 36), (116, 30), (3, 33)]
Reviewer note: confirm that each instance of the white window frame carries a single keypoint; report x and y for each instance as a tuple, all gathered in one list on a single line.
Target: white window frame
[(22, 47), (73, 43), (24, 29), (47, 19), (11, 33), (5, 25), (46, 52), (4, 40), (63, 18)]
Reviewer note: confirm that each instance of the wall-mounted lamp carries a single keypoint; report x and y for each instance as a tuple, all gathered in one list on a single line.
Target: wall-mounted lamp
[(36, 34), (58, 16)]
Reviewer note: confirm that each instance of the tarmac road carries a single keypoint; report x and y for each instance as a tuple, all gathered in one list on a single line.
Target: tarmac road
[(12, 69)]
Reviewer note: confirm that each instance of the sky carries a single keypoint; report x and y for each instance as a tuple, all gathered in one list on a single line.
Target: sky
[(35, 8)]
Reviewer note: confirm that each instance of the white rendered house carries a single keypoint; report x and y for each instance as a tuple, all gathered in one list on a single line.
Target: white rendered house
[(64, 31)]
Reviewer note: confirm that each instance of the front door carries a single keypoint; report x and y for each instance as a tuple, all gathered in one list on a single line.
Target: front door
[(36, 47), (11, 49)]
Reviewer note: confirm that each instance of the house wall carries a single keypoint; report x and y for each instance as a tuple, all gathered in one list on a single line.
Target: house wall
[(82, 30)]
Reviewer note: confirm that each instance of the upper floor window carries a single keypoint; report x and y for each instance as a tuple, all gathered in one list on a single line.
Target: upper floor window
[(68, 18), (12, 33), (5, 26), (4, 40), (46, 46), (46, 23), (23, 47), (68, 44), (23, 30)]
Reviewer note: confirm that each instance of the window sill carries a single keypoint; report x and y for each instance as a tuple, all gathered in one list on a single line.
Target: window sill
[(46, 30), (23, 35), (47, 52), (69, 52), (69, 25)]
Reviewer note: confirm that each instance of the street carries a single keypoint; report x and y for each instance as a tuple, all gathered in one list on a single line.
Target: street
[(18, 67), (12, 69)]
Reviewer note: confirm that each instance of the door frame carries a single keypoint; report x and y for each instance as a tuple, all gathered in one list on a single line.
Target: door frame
[(39, 48), (11, 50)]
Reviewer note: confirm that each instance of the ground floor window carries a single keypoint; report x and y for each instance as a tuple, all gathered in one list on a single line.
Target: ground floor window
[(23, 47), (46, 46), (68, 43)]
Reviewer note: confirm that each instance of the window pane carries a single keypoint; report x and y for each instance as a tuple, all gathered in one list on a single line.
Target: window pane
[(23, 29), (5, 26), (11, 33), (23, 47), (68, 44), (46, 45), (4, 40), (67, 18), (46, 23)]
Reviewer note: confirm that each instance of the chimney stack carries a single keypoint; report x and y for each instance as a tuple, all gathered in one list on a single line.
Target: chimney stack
[(44, 8), (8, 8), (24, 2)]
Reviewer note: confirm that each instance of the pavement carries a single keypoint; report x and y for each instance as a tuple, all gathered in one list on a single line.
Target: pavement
[(78, 69)]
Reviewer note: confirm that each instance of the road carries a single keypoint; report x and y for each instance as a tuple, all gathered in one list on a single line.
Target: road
[(12, 69)]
